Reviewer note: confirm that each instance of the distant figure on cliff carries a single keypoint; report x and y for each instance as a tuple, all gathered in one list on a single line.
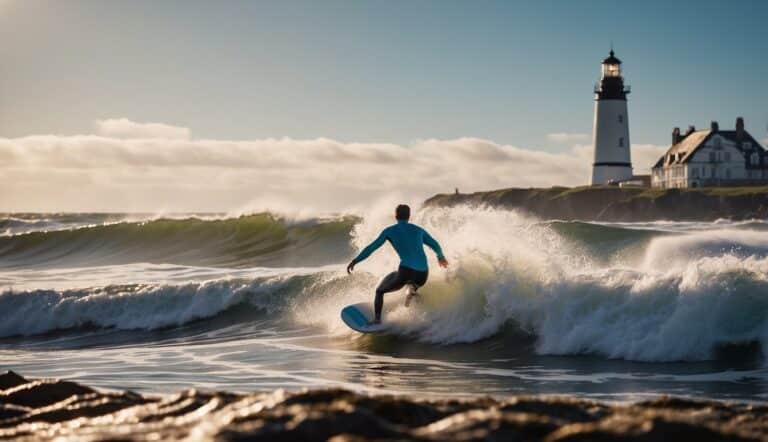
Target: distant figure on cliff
[(408, 241)]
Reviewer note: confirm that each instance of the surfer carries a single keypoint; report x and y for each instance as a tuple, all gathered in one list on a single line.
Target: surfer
[(407, 239)]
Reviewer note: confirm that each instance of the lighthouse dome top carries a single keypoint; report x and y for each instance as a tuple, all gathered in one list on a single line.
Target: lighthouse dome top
[(611, 59), (611, 67)]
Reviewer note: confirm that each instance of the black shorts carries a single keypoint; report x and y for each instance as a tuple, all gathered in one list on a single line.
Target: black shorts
[(404, 275)]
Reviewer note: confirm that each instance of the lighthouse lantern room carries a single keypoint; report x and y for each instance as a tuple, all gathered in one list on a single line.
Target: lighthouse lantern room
[(612, 161)]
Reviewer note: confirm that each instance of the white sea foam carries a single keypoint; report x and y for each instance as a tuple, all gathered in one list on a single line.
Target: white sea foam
[(136, 306), (683, 295), (672, 296)]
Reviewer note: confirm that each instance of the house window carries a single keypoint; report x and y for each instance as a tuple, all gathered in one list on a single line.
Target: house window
[(747, 145), (755, 159), (621, 118), (621, 141), (712, 173), (711, 157), (728, 173), (727, 156), (716, 142), (694, 172)]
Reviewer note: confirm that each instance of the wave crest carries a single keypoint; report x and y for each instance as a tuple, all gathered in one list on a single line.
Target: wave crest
[(139, 306), (253, 240)]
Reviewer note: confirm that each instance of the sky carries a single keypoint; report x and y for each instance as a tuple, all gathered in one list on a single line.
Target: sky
[(211, 106)]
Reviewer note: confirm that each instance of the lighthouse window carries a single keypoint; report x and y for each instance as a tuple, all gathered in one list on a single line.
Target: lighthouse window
[(621, 142), (621, 118)]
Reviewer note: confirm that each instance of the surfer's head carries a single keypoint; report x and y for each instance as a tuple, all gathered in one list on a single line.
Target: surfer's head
[(402, 212)]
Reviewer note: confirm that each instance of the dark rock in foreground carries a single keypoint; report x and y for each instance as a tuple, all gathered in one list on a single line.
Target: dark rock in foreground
[(629, 204), (51, 409)]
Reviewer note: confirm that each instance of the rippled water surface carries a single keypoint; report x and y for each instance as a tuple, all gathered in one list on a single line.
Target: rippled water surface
[(616, 311)]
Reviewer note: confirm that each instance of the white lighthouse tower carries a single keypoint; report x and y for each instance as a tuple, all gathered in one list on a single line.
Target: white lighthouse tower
[(611, 131)]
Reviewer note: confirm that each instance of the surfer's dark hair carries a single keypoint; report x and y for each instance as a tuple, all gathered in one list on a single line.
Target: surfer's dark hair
[(403, 212)]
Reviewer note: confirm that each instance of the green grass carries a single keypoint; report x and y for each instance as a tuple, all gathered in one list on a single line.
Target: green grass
[(644, 192), (557, 192), (733, 191)]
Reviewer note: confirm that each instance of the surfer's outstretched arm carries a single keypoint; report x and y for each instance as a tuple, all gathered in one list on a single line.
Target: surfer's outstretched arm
[(434, 245), (366, 252)]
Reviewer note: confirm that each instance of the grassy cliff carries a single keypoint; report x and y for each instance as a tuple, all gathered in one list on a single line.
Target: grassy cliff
[(610, 203)]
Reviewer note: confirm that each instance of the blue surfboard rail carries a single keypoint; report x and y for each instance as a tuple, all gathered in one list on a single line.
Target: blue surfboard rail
[(357, 317)]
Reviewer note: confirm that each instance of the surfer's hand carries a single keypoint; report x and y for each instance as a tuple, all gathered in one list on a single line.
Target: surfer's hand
[(443, 263), (350, 267)]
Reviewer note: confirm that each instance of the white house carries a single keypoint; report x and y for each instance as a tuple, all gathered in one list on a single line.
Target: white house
[(711, 157)]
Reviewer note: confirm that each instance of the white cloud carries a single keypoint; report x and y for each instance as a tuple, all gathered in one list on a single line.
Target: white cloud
[(644, 156), (96, 172), (765, 142), (125, 128), (567, 137)]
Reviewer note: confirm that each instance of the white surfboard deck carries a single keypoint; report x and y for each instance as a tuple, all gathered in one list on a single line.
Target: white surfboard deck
[(357, 316)]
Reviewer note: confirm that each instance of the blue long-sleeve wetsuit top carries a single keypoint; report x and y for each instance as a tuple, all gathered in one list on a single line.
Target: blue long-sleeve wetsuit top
[(407, 240)]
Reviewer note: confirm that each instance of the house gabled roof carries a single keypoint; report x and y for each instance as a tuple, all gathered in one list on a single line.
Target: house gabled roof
[(731, 135), (683, 151)]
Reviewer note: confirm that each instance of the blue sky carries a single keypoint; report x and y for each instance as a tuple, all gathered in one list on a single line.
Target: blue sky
[(397, 71)]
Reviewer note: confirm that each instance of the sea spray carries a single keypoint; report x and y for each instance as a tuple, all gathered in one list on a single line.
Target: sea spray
[(139, 306), (658, 292), (509, 270)]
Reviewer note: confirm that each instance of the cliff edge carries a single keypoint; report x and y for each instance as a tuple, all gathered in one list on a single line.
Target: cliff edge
[(626, 204)]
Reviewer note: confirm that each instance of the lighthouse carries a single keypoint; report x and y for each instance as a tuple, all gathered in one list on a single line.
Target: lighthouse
[(612, 161)]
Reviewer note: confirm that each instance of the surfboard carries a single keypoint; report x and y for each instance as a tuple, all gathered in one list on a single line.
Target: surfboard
[(357, 316)]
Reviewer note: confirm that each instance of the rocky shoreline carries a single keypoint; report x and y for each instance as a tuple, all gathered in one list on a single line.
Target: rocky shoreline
[(615, 204), (47, 409)]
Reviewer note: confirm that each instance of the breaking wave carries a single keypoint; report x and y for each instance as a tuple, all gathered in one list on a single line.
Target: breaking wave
[(647, 293)]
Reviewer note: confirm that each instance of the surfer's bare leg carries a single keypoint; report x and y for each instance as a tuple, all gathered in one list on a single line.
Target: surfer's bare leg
[(390, 283), (412, 293)]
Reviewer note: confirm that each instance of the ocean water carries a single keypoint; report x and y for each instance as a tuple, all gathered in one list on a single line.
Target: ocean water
[(251, 303)]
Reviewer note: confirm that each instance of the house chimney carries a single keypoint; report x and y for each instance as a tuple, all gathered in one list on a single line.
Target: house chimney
[(739, 129), (714, 126), (675, 135), (691, 129)]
